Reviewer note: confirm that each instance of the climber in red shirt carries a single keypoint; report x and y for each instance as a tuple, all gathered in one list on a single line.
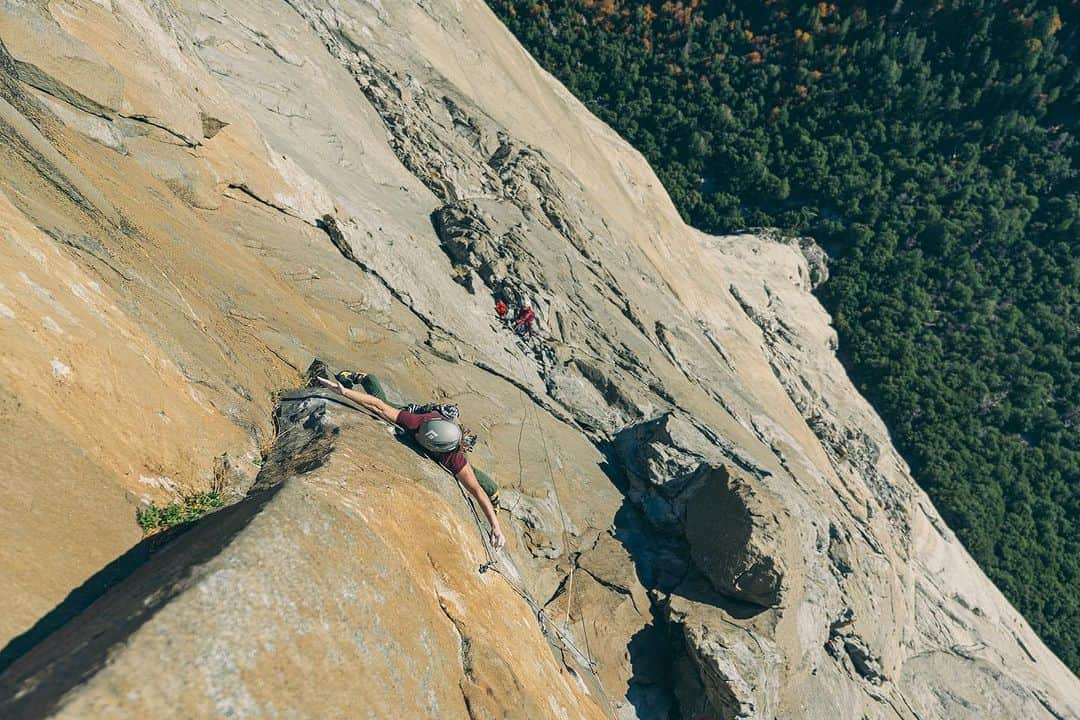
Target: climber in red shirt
[(501, 309), (523, 323), (440, 436)]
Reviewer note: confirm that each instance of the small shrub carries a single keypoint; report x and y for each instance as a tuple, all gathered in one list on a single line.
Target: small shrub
[(189, 508), (149, 518)]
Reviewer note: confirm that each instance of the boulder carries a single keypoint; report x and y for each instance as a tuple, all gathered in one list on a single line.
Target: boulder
[(737, 536)]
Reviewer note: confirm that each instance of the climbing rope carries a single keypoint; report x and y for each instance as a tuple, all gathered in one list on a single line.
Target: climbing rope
[(565, 539), (493, 565), (585, 658), (525, 405), (521, 433), (562, 519), (568, 644)]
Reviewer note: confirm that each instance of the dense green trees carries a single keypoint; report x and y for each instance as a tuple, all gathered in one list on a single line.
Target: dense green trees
[(929, 147)]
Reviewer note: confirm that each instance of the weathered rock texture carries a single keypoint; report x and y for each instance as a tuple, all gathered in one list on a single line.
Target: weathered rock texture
[(314, 586), (196, 198)]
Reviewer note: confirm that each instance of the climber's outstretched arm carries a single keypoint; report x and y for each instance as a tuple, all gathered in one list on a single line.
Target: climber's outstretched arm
[(467, 478), (372, 403)]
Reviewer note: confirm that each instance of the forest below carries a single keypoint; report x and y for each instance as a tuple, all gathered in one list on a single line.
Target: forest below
[(929, 147)]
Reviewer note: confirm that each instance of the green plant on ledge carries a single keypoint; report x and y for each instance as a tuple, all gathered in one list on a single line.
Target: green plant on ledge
[(191, 507)]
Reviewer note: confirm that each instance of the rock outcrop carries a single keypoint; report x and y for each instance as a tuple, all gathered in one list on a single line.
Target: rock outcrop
[(736, 537), (197, 198)]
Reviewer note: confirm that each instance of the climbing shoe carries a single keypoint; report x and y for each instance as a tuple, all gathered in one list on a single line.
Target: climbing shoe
[(350, 378)]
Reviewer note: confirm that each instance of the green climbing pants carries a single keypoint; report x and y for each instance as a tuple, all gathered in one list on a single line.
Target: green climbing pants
[(486, 482), (372, 386)]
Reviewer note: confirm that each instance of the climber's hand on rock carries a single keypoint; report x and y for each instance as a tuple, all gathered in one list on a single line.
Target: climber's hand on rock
[(332, 384), (497, 539)]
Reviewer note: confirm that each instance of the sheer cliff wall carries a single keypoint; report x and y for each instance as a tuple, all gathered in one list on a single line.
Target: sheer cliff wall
[(197, 198)]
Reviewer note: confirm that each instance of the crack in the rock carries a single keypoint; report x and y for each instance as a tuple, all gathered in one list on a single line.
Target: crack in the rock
[(47, 170), (83, 246), (40, 81), (464, 653), (464, 644), (146, 119), (271, 350), (540, 400), (1038, 695), (329, 225), (611, 586), (248, 192)]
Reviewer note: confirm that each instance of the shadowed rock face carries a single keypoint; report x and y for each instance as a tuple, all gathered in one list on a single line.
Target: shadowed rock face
[(734, 538), (197, 198)]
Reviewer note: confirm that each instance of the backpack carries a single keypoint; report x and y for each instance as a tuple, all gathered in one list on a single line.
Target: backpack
[(449, 411)]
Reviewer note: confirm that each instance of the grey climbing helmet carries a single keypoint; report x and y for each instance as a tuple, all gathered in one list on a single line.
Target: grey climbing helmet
[(439, 435)]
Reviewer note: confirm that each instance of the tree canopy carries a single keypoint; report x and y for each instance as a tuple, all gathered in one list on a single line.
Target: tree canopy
[(929, 147)]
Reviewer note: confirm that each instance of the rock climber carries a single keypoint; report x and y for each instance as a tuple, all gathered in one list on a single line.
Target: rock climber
[(523, 323), (501, 309), (435, 429)]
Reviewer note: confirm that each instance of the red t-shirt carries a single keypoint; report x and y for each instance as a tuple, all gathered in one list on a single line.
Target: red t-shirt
[(525, 317), (452, 461)]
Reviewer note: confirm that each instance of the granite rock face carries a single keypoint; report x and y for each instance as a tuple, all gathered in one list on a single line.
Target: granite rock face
[(196, 198), (309, 599), (735, 537)]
